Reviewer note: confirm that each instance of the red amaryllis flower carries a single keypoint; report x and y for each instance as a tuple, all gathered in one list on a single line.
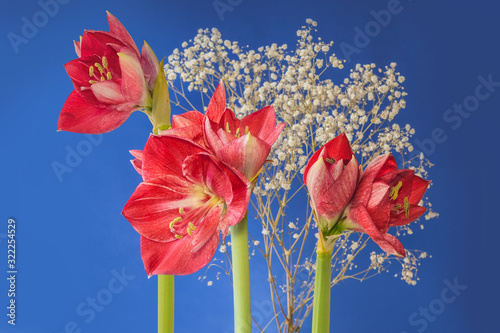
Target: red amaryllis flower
[(109, 81), (386, 197), (187, 196), (244, 144), (331, 176)]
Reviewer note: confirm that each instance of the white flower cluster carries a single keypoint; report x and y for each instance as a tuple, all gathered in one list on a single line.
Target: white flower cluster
[(303, 85)]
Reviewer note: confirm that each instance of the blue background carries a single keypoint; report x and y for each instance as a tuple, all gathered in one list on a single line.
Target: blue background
[(72, 239)]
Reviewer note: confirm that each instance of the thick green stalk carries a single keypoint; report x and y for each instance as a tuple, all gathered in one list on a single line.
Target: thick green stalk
[(166, 303), (321, 303), (241, 277)]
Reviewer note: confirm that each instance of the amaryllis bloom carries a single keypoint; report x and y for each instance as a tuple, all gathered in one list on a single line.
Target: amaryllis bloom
[(244, 144), (187, 196), (109, 81), (385, 197), (331, 176)]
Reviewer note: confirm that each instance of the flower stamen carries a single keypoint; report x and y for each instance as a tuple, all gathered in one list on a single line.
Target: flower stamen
[(393, 194), (407, 208)]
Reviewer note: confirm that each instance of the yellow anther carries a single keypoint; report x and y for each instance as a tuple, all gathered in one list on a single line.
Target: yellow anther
[(92, 81), (330, 160), (227, 128), (91, 71), (99, 67), (237, 133), (393, 194), (105, 62), (108, 76), (191, 226), (181, 210), (190, 232), (171, 224), (397, 207), (177, 219), (178, 236), (103, 78), (246, 130), (407, 208)]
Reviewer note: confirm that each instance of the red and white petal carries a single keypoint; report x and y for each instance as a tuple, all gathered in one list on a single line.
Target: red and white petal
[(246, 154), (150, 65), (176, 258), (79, 116), (152, 207), (137, 161), (206, 229), (203, 169), (108, 92), (133, 84)]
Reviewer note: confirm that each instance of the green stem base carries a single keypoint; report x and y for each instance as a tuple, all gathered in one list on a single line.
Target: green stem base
[(166, 302), (241, 277), (321, 303)]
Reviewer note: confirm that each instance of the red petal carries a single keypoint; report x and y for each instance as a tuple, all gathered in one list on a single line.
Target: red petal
[(79, 116), (95, 42), (400, 219), (418, 188), (217, 104), (176, 258), (339, 148), (190, 118), (164, 154), (390, 244), (262, 124), (367, 179), (119, 31)]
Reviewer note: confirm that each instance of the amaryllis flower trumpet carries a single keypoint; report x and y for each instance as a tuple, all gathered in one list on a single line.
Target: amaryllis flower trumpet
[(244, 144), (187, 196), (109, 81), (385, 197), (331, 176)]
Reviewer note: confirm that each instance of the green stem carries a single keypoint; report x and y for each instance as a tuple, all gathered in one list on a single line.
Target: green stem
[(241, 277), (321, 303), (166, 303)]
